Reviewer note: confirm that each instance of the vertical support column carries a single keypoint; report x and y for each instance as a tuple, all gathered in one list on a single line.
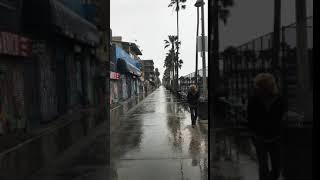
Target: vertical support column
[(305, 92)]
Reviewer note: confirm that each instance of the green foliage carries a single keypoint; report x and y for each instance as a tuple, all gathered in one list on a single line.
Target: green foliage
[(223, 8), (177, 4)]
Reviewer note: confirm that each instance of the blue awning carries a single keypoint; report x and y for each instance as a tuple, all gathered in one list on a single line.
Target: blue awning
[(128, 63)]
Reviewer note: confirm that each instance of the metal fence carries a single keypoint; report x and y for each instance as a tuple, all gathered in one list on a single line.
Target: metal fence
[(241, 64), (186, 81)]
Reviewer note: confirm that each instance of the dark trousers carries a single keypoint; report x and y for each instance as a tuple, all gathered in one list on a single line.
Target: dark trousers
[(273, 151), (194, 114)]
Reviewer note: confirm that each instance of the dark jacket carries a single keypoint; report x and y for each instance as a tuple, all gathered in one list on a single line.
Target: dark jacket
[(266, 122), (193, 99)]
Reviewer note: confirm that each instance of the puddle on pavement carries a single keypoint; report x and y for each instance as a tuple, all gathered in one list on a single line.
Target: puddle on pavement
[(157, 141)]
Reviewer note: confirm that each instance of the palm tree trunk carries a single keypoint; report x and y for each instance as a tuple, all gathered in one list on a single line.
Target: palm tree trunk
[(173, 69), (196, 70), (177, 60), (177, 20), (215, 62), (276, 33), (212, 64)]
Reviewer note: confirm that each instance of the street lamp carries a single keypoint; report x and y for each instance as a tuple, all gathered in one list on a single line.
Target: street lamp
[(200, 3)]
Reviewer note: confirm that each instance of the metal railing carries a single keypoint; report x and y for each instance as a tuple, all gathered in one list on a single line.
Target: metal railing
[(186, 81), (243, 63)]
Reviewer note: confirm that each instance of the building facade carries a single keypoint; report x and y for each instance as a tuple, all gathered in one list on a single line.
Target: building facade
[(125, 69), (56, 47), (15, 56), (149, 73)]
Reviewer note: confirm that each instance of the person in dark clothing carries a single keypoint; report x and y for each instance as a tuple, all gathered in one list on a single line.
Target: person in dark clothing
[(193, 100), (266, 109)]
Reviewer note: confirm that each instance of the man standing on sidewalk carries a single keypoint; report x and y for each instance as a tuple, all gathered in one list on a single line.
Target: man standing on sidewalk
[(193, 100), (266, 110)]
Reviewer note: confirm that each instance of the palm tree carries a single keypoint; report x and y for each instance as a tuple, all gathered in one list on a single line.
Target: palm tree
[(276, 33), (221, 12), (177, 5), (173, 42), (178, 63), (169, 65)]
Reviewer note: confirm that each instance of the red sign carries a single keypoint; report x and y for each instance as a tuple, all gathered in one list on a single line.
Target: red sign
[(114, 75), (13, 44)]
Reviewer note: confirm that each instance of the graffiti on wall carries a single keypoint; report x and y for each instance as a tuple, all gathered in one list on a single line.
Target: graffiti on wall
[(114, 92), (124, 87), (48, 99)]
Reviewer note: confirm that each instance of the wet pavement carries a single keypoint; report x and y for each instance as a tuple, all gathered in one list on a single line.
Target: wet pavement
[(156, 141), (234, 162)]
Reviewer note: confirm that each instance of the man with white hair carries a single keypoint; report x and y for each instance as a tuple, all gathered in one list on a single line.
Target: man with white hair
[(266, 109)]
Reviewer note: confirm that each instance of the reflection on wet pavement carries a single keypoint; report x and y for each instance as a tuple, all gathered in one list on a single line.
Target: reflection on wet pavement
[(234, 159), (156, 141)]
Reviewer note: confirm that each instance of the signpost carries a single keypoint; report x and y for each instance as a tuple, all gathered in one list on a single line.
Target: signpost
[(200, 42)]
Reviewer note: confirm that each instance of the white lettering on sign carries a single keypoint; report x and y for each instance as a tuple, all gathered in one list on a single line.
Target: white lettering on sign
[(114, 75)]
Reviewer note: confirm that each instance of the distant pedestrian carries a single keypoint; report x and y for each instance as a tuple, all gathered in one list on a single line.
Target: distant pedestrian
[(266, 109), (193, 100)]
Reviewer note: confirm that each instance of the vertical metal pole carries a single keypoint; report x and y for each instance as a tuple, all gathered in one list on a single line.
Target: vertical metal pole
[(276, 33), (196, 72), (204, 78), (305, 91)]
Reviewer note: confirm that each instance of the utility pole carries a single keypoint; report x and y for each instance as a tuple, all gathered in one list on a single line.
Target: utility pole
[(276, 34), (204, 72), (305, 92), (196, 72), (200, 3)]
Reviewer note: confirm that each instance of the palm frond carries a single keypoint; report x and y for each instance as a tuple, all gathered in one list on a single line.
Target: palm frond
[(224, 14), (227, 3), (171, 4)]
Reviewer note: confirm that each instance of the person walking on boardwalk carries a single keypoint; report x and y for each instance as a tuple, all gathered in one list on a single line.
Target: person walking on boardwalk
[(266, 109), (193, 100)]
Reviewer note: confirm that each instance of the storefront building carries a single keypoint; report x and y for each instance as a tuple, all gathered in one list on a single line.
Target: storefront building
[(127, 83), (15, 53), (64, 53)]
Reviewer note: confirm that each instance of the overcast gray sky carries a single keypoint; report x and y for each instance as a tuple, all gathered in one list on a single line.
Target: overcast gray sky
[(149, 22)]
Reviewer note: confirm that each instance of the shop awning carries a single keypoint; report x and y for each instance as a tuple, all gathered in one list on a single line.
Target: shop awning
[(52, 15), (125, 63)]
